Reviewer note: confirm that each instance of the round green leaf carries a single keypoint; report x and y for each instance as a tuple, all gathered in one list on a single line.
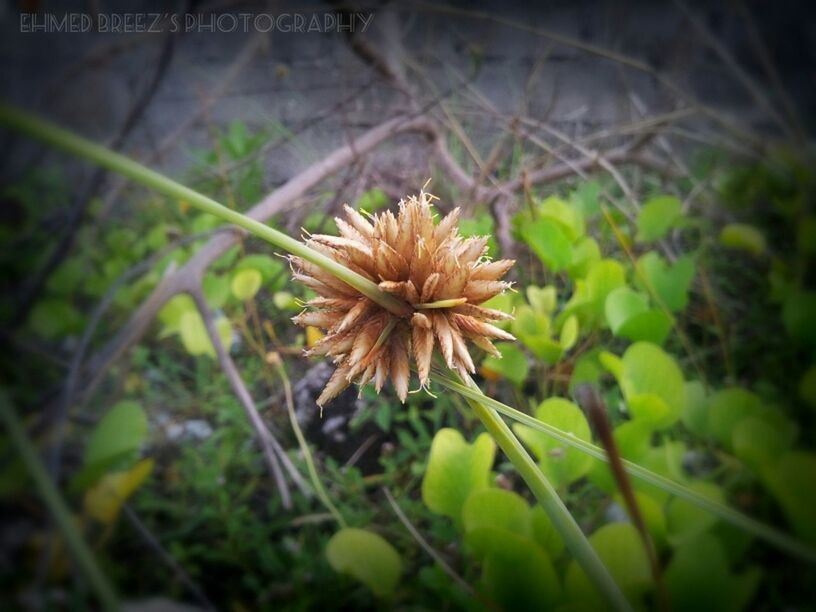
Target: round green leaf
[(670, 283), (698, 578), (518, 575), (585, 253), (807, 386), (542, 299), (455, 470), (743, 237), (620, 548), (560, 463), (569, 333), (726, 408), (792, 481), (657, 216), (799, 317), (367, 557), (121, 431), (548, 240), (685, 520), (568, 217), (512, 365), (490, 514), (652, 384), (246, 283)]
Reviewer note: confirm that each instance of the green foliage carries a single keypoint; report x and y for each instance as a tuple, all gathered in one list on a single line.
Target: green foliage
[(620, 548), (561, 464), (512, 365), (657, 216), (651, 382), (456, 469), (743, 237), (704, 358), (367, 557)]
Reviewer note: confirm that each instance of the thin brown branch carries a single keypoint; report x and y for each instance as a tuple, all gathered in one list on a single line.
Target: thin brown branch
[(263, 434)]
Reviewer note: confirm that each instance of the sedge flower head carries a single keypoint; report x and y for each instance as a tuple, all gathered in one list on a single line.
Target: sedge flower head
[(440, 275)]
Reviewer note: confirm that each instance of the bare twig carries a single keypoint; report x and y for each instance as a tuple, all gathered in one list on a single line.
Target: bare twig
[(265, 437), (426, 546)]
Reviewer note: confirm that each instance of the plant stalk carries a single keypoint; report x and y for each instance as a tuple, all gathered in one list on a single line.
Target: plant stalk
[(64, 140), (769, 534), (56, 505), (547, 496)]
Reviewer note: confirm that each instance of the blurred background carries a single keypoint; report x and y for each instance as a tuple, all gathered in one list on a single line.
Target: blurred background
[(662, 152)]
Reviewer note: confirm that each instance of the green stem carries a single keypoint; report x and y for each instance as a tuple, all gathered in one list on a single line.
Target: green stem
[(546, 495), (56, 505), (304, 447), (71, 143), (765, 532)]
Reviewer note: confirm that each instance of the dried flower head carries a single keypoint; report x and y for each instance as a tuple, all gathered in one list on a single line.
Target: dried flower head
[(442, 276)]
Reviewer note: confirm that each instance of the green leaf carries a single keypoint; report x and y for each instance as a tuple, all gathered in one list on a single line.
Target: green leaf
[(585, 254), (633, 440), (455, 470), (216, 290), (792, 481), (743, 237), (698, 578), (685, 520), (561, 464), (106, 498), (758, 443), (490, 514), (652, 384), (728, 407), (569, 218), (569, 333), (621, 551), (585, 198), (372, 200), (518, 575), (694, 411), (171, 313), (589, 297), (628, 315), (512, 365), (587, 369), (549, 242), (542, 299), (807, 386), (670, 283), (653, 516), (545, 532), (533, 330), (246, 283), (367, 557), (54, 318), (657, 216), (799, 317), (284, 300), (273, 270), (194, 334), (120, 432), (67, 277)]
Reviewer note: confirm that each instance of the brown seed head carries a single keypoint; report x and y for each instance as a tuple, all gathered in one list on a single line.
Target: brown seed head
[(441, 275)]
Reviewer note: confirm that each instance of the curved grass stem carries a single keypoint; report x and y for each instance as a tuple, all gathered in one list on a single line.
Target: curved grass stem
[(559, 514), (56, 505), (765, 532), (81, 147)]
